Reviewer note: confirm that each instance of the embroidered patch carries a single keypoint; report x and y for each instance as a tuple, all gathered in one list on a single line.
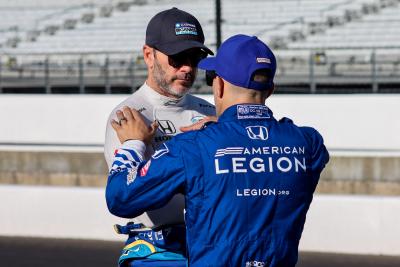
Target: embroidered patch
[(145, 168), (197, 119), (263, 60), (184, 28), (252, 112), (161, 151), (257, 132), (130, 178)]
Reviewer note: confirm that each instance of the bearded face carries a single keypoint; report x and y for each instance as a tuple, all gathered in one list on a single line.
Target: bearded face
[(174, 82), (175, 74)]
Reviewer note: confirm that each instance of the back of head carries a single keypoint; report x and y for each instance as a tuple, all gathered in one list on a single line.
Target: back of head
[(261, 76), (244, 61), (247, 66)]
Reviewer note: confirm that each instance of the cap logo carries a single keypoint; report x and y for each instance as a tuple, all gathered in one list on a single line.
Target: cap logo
[(263, 60), (184, 28)]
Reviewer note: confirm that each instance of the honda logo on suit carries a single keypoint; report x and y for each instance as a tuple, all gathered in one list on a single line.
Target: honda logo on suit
[(166, 126), (257, 132)]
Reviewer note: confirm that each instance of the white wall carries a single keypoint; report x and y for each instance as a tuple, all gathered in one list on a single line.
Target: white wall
[(69, 119), (60, 212), (346, 121), (342, 224), (353, 224)]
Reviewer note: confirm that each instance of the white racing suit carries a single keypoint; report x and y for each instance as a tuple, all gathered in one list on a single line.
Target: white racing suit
[(171, 115)]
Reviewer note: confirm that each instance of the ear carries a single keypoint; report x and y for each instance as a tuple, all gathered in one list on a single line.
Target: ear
[(271, 91), (220, 86), (148, 56)]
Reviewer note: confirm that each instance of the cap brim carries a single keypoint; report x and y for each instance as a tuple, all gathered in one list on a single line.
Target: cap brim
[(180, 46), (207, 63)]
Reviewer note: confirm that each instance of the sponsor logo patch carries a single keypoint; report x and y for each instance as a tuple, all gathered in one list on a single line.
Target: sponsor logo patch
[(130, 178), (206, 106), (145, 168), (260, 160), (255, 263), (166, 126), (263, 60), (252, 112), (184, 28), (197, 119), (162, 138), (160, 152), (257, 132)]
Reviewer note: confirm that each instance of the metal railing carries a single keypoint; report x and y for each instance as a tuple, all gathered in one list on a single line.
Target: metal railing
[(369, 70), (53, 72), (299, 71)]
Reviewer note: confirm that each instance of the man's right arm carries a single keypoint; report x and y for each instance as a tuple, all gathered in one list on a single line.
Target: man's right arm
[(111, 143), (135, 186)]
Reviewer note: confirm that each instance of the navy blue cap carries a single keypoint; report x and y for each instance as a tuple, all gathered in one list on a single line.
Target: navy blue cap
[(238, 58), (173, 31)]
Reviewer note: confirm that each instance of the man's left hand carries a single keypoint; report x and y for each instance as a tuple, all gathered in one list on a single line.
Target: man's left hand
[(198, 125)]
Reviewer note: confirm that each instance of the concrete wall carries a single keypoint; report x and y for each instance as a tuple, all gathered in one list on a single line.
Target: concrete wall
[(351, 224), (65, 168), (345, 174), (347, 122), (361, 132), (368, 174)]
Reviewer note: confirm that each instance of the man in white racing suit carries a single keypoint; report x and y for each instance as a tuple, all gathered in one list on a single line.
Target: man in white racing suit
[(174, 46)]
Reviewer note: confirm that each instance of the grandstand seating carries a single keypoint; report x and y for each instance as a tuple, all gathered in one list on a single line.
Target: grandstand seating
[(324, 33), (61, 28), (377, 30), (23, 20)]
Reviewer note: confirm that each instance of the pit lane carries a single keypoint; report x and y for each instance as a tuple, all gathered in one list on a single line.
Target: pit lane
[(43, 252)]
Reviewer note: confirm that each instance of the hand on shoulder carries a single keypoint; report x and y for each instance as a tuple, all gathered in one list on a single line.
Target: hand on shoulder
[(132, 126), (198, 125)]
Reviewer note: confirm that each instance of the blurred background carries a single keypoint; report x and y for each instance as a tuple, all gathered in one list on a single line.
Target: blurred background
[(64, 65), (83, 46)]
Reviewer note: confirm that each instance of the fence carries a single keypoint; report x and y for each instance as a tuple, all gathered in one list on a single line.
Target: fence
[(70, 73), (299, 71)]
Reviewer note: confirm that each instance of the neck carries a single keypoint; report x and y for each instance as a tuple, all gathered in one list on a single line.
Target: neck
[(240, 100), (228, 95)]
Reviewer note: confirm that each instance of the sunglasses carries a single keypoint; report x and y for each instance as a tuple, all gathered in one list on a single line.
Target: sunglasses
[(210, 76), (186, 58)]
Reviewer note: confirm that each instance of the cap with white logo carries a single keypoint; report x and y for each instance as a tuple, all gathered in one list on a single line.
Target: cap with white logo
[(238, 58), (173, 31)]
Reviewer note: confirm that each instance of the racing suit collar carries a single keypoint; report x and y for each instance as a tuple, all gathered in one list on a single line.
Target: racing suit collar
[(156, 99), (246, 111)]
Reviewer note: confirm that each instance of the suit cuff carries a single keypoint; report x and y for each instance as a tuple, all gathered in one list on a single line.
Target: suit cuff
[(137, 145)]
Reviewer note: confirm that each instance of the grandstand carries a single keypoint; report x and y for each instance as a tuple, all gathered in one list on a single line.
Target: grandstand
[(81, 46)]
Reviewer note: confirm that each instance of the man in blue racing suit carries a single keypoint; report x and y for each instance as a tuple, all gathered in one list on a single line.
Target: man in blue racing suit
[(248, 179)]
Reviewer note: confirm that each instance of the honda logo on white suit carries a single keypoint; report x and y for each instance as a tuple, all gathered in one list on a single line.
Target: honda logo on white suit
[(166, 126), (257, 132)]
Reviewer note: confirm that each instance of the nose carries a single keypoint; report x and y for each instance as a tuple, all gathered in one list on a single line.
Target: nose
[(188, 68)]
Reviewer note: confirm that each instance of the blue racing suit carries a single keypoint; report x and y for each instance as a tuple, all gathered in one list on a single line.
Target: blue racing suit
[(248, 182)]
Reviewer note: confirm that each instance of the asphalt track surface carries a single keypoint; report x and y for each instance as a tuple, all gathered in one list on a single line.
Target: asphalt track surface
[(32, 252)]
